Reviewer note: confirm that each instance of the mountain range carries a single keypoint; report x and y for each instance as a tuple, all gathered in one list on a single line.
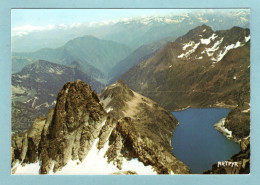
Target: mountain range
[(134, 32), (95, 56)]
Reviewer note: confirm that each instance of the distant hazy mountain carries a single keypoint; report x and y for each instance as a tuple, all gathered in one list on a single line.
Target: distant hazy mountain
[(35, 88), (134, 32), (18, 63), (140, 54), (203, 68), (94, 55)]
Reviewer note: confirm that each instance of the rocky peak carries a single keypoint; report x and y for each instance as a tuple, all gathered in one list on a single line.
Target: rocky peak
[(67, 133), (234, 35), (119, 92), (196, 33), (202, 43), (140, 109), (78, 132), (76, 105)]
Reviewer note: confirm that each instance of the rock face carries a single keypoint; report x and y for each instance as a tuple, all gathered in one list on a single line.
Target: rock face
[(202, 68), (78, 124)]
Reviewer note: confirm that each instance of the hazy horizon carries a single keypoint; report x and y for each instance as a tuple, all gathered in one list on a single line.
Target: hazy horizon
[(24, 21)]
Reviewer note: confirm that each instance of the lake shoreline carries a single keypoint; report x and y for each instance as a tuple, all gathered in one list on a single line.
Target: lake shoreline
[(217, 105), (220, 126), (189, 135)]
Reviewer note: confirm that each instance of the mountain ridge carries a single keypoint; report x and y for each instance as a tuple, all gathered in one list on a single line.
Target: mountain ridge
[(90, 52), (79, 125)]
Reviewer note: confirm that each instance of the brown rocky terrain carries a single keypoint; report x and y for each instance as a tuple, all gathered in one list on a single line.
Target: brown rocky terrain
[(78, 121), (203, 68)]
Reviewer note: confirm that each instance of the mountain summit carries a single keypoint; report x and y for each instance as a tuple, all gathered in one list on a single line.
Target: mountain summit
[(78, 136)]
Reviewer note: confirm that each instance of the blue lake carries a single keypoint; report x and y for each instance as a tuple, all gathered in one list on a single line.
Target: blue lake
[(197, 143)]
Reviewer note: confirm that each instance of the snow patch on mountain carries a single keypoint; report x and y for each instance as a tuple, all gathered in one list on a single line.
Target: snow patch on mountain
[(221, 127), (215, 47), (238, 44), (96, 164), (208, 40), (227, 48), (222, 54), (27, 169), (188, 53), (247, 38), (246, 110), (191, 43)]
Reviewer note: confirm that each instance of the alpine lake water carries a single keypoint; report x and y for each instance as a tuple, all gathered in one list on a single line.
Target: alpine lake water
[(197, 143)]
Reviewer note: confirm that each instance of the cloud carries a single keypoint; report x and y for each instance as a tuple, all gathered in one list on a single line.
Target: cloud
[(25, 29)]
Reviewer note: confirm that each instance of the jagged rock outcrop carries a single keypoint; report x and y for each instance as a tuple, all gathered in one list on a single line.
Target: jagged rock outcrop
[(78, 124), (67, 133)]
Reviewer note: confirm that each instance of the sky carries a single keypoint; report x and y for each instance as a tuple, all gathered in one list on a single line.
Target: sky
[(27, 20), (39, 17)]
